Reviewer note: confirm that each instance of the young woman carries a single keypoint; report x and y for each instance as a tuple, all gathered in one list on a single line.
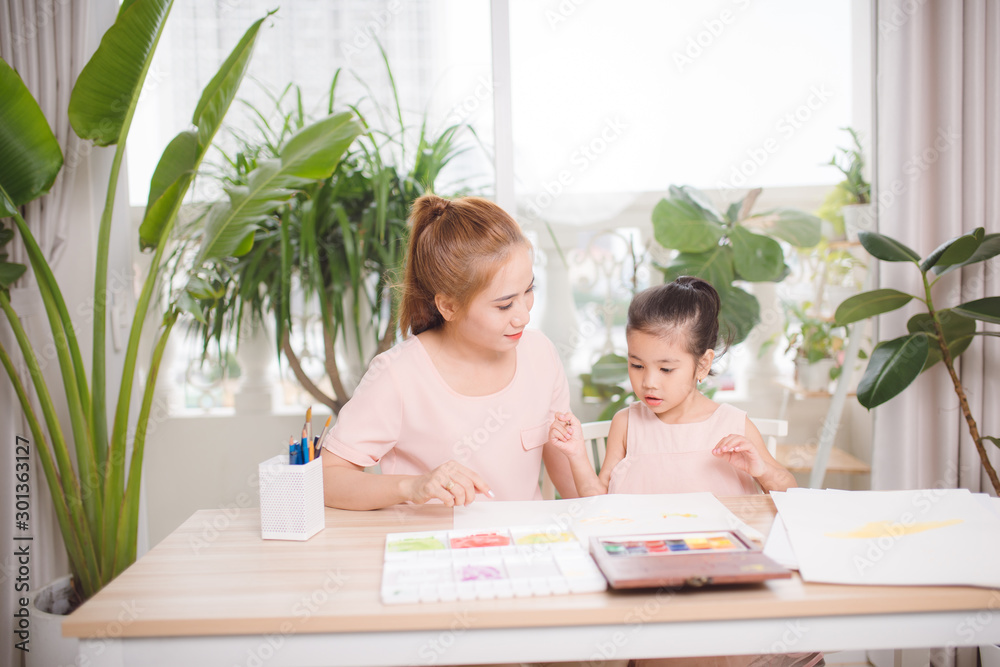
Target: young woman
[(461, 408)]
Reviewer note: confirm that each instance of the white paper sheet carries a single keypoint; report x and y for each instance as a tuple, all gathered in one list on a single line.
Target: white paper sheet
[(988, 501), (932, 536), (778, 548), (614, 514)]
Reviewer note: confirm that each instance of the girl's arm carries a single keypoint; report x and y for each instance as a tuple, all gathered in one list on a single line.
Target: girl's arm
[(558, 468), (749, 454), (566, 435), (616, 449), (347, 486)]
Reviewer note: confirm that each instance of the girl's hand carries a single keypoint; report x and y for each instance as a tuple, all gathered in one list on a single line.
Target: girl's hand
[(566, 435), (450, 482), (741, 454)]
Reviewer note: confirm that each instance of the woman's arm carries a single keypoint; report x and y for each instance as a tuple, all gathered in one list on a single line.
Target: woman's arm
[(347, 486)]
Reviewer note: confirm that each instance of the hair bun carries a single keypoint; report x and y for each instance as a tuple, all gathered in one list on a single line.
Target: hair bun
[(439, 206)]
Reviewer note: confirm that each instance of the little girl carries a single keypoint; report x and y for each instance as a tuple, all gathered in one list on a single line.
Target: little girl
[(462, 407), (673, 439)]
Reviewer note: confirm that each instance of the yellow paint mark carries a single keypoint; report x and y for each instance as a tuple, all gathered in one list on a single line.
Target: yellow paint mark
[(877, 529), (683, 516)]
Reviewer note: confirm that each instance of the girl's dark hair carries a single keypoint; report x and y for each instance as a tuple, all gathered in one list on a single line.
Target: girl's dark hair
[(455, 249), (688, 305)]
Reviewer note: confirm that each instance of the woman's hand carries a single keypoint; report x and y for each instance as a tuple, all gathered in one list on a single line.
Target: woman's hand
[(741, 454), (566, 434), (450, 482)]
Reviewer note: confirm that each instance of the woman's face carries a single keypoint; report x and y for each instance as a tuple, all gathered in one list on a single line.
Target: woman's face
[(496, 317)]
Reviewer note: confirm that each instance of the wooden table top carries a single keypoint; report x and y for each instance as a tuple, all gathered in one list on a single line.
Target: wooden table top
[(215, 576)]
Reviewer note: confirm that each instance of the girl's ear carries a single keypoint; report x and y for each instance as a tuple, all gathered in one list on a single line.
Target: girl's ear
[(705, 364), (446, 306)]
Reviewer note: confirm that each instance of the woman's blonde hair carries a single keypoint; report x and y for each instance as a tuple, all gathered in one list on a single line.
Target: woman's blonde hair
[(455, 249)]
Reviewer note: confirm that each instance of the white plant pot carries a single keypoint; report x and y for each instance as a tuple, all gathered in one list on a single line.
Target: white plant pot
[(49, 606), (815, 376), (858, 218)]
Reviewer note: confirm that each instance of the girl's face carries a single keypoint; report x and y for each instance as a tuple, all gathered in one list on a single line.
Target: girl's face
[(664, 375), (496, 317)]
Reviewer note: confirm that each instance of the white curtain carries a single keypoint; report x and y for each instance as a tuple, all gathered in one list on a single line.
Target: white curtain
[(937, 176), (47, 42), (938, 133)]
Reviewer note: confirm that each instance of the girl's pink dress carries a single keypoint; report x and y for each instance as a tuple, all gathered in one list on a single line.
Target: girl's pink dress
[(677, 458)]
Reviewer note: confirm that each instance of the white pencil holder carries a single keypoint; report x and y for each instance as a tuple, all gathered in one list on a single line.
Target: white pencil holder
[(291, 499)]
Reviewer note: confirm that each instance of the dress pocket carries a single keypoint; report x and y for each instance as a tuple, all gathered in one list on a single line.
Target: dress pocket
[(534, 437)]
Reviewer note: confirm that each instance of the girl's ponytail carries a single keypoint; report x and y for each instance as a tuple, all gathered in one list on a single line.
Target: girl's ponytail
[(688, 305)]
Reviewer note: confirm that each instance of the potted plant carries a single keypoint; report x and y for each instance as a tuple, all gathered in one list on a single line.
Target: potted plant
[(938, 335), (96, 501), (726, 247), (341, 240), (854, 192), (817, 344)]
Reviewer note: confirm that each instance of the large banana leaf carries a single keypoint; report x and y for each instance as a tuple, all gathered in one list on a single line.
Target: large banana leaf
[(312, 153), (30, 158), (221, 90), (170, 182), (171, 179), (101, 108), (107, 90), (186, 151)]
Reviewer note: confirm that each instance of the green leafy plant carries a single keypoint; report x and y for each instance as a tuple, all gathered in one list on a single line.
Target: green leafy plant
[(851, 163), (341, 239), (723, 248), (937, 335), (811, 337), (96, 503)]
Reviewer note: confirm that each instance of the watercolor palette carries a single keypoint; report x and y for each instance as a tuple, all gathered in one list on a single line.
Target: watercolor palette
[(521, 561), (693, 558), (677, 544)]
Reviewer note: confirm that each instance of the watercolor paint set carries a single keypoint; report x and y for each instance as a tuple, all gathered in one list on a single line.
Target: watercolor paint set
[(520, 561), (674, 560)]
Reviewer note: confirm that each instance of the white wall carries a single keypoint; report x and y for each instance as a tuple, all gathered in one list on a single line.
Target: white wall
[(209, 462)]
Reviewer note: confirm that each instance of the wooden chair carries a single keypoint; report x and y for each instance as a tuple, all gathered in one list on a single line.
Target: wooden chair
[(771, 430), (595, 437)]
